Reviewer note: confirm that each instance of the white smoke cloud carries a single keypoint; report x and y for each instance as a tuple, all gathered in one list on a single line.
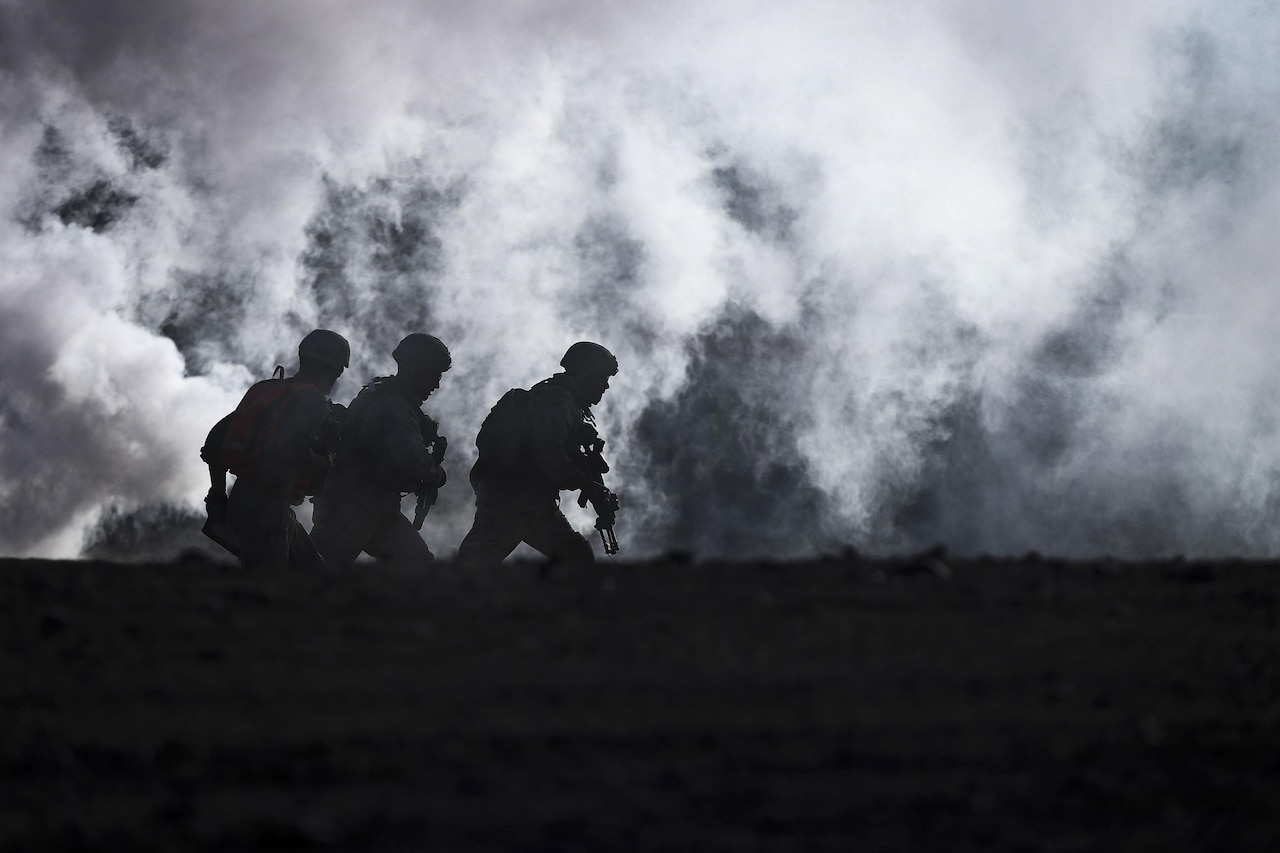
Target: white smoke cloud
[(938, 271)]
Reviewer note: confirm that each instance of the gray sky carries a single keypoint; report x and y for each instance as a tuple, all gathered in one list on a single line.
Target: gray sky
[(996, 274)]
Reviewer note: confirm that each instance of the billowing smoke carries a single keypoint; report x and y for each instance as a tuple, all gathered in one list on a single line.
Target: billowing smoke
[(886, 275)]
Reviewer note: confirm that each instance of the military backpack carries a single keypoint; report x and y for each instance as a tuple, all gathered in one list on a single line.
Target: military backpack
[(503, 437)]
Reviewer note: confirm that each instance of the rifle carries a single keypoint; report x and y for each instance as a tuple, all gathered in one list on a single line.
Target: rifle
[(604, 521), (605, 502), (325, 452), (427, 494), (331, 429)]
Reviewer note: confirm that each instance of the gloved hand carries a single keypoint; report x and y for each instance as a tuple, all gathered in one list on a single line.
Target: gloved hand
[(436, 479), (215, 504), (603, 501)]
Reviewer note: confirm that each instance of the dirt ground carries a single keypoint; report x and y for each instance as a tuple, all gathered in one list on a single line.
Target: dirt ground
[(922, 704)]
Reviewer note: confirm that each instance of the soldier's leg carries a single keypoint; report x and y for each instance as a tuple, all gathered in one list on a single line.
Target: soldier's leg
[(259, 550), (302, 551), (492, 537), (261, 525), (551, 533), (341, 530), (397, 543)]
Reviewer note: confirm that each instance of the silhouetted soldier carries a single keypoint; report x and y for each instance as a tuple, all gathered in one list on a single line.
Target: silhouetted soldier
[(533, 445), (277, 443), (388, 448)]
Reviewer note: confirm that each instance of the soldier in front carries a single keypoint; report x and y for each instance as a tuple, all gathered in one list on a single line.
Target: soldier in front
[(533, 445)]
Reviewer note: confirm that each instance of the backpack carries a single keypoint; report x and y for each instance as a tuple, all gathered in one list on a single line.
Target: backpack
[(254, 424), (503, 435)]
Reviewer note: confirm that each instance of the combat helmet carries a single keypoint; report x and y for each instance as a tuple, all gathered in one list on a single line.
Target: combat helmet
[(419, 351), (325, 347), (586, 357)]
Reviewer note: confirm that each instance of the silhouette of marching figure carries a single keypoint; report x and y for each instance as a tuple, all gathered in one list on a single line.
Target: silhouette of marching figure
[(534, 444), (277, 442), (388, 448)]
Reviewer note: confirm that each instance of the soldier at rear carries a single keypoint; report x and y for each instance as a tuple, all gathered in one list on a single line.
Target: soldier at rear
[(278, 443), (388, 449), (533, 445)]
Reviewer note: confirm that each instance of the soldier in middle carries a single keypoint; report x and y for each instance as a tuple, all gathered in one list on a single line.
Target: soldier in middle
[(388, 449)]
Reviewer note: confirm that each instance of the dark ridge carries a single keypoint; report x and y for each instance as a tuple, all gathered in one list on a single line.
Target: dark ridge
[(923, 702)]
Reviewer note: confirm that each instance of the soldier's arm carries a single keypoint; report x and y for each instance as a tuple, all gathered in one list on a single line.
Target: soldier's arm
[(404, 458), (216, 499)]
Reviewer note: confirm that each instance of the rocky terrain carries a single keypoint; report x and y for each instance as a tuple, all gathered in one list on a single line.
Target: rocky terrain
[(922, 703)]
